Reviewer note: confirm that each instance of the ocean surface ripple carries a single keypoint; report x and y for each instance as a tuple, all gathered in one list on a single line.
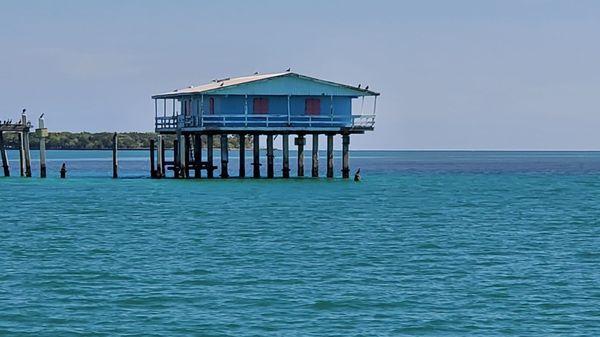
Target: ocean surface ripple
[(428, 244)]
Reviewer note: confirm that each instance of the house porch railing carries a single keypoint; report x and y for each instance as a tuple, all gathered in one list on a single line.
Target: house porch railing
[(264, 121)]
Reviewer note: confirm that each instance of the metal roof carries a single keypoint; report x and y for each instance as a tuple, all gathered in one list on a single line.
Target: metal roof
[(217, 85)]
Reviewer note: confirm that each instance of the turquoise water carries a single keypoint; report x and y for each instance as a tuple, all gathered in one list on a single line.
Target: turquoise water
[(428, 244)]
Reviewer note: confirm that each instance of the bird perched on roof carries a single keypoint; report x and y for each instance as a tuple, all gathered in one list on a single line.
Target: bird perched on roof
[(288, 70), (256, 73), (367, 87), (358, 86), (42, 116), (222, 84)]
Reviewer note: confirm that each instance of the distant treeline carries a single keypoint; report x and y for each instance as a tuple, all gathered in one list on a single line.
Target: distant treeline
[(102, 140)]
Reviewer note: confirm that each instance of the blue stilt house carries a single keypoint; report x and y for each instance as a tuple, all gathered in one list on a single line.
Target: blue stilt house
[(262, 104)]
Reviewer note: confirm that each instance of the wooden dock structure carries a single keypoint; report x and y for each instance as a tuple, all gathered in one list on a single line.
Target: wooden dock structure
[(273, 106), (23, 128)]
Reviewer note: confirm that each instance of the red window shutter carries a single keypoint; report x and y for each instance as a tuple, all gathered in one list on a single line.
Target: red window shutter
[(312, 106), (261, 105), (211, 106)]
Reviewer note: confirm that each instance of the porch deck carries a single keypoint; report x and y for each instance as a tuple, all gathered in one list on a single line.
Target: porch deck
[(268, 122)]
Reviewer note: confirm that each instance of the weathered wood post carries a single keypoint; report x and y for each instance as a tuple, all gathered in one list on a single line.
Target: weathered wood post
[(197, 155), (114, 156), (329, 156), (242, 173), (315, 155), (152, 169), (224, 156), (42, 133), (176, 158), (345, 156), (163, 164), (5, 165), (21, 155), (270, 157), (27, 152), (186, 155), (256, 156), (209, 156), (285, 144), (300, 141), (159, 157), (63, 171)]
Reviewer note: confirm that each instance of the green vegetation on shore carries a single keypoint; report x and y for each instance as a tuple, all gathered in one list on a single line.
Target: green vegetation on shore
[(101, 140)]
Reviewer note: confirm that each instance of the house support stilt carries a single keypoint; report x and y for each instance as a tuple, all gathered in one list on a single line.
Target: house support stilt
[(345, 156), (224, 156), (242, 142), (300, 141), (256, 156), (210, 168), (329, 156), (270, 157), (197, 156), (315, 155), (285, 143)]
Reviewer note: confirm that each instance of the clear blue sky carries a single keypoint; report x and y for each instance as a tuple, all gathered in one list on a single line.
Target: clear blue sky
[(453, 74)]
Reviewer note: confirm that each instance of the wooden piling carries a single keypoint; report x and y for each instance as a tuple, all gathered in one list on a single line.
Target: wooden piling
[(21, 155), (42, 133), (270, 157), (163, 150), (345, 156), (242, 173), (315, 155), (285, 144), (152, 169), (224, 156), (5, 165), (197, 155), (114, 157), (209, 156), (256, 156), (300, 141), (329, 156), (186, 155), (176, 159), (27, 152), (159, 158)]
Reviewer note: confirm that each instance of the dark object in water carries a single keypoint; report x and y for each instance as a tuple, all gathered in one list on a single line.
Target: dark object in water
[(63, 171), (357, 175)]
